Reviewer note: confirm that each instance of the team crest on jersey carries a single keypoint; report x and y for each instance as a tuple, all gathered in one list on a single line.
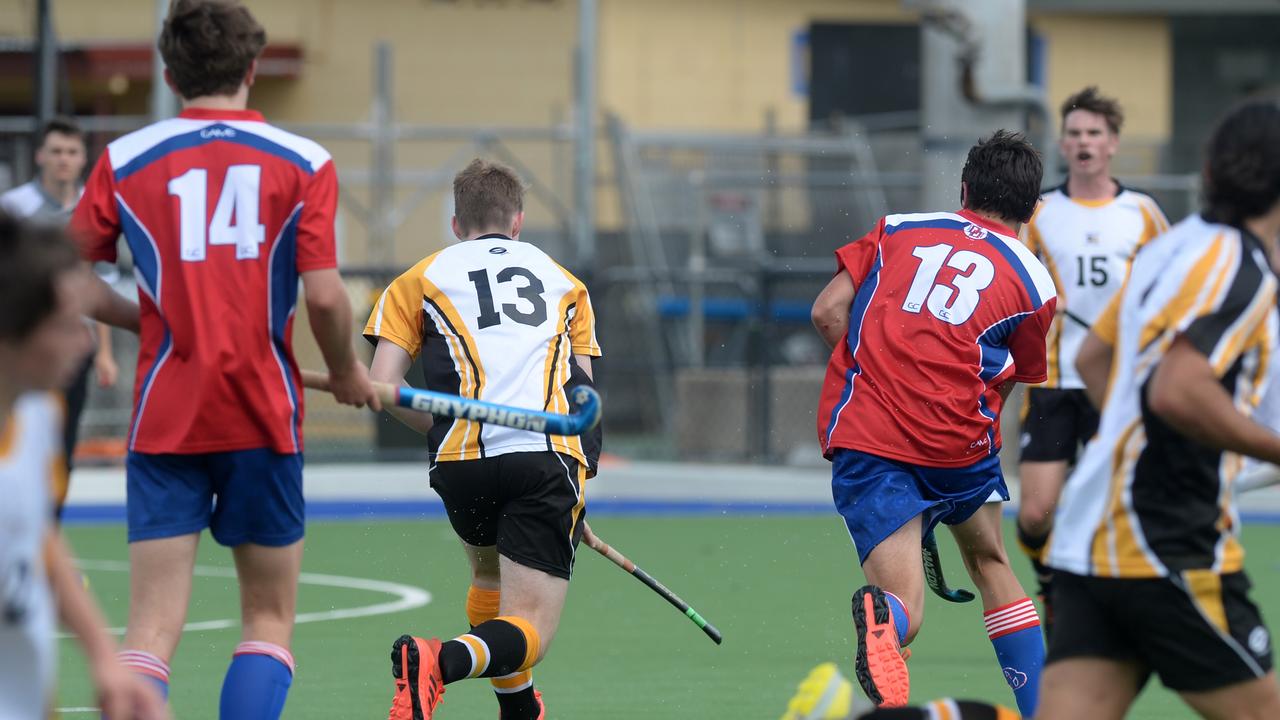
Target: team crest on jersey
[(497, 250), (1259, 641), (1015, 678), (975, 232)]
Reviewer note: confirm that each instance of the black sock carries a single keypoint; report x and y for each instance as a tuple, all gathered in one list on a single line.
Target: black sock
[(497, 646), (520, 705)]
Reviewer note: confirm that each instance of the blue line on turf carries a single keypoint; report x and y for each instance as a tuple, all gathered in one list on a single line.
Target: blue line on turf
[(416, 509)]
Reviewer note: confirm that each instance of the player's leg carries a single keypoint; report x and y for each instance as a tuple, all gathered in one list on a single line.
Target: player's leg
[(515, 692), (1084, 687), (1251, 700), (167, 502), (159, 593), (259, 515), (888, 613), (1050, 434), (1011, 620), (882, 503), (825, 694)]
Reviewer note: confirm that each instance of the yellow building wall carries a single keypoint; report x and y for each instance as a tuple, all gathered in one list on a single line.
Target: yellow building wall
[(714, 64), (1127, 57)]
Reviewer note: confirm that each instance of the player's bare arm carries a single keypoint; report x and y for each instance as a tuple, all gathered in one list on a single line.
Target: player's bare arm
[(1187, 394), (110, 307), (830, 312), (584, 362), (1094, 365), (121, 694), (390, 363), (329, 310)]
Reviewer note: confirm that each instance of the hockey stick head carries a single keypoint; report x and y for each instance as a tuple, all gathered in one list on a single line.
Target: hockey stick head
[(933, 573), (586, 408)]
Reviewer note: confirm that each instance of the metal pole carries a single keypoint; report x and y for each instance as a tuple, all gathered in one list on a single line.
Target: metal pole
[(164, 104), (46, 63), (698, 271), (584, 136), (382, 187)]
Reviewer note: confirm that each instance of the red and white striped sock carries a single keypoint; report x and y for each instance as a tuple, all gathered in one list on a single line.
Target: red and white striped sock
[(1007, 619), (144, 663), (271, 650)]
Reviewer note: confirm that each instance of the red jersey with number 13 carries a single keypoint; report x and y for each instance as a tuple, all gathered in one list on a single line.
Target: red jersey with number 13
[(947, 307), (221, 212)]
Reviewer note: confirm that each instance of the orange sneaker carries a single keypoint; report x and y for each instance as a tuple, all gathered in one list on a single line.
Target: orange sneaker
[(880, 666), (419, 685)]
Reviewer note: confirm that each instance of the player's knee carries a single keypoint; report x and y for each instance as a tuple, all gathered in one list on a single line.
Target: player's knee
[(1035, 515)]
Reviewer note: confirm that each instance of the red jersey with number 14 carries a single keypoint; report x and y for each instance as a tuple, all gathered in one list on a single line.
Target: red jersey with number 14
[(947, 307), (221, 212)]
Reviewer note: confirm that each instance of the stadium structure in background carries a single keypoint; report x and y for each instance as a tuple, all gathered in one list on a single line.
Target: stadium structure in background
[(698, 187)]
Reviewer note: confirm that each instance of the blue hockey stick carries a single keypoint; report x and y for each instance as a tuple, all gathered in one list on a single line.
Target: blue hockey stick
[(583, 417)]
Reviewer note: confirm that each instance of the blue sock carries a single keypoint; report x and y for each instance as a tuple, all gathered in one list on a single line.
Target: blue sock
[(1015, 634), (257, 683), (901, 620)]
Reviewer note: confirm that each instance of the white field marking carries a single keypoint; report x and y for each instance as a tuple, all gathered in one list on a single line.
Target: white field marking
[(408, 597)]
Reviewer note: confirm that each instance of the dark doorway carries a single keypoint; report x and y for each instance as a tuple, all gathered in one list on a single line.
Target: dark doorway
[(862, 69)]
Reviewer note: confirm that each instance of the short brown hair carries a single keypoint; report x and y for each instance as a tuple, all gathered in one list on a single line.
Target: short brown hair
[(1089, 99), (32, 258), (486, 195), (209, 46)]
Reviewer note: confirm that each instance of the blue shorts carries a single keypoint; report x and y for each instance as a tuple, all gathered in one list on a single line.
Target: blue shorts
[(243, 496), (876, 496)]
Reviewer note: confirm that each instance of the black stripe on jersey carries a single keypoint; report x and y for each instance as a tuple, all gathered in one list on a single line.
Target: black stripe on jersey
[(555, 359), (440, 376), (475, 369), (1175, 489), (1207, 331)]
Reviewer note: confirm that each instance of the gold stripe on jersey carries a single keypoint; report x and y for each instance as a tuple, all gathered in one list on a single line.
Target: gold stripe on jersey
[(1205, 588), (398, 315), (1117, 537), (1195, 297), (464, 445), (1035, 243), (582, 332), (555, 374), (1250, 331), (7, 434), (582, 499), (1228, 553), (1153, 224)]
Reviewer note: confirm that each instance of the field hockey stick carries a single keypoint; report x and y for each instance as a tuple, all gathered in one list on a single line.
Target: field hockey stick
[(600, 546), (584, 416), (933, 572)]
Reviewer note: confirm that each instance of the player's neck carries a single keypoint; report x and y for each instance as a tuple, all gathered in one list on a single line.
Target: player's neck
[(1092, 187), (1013, 225), (65, 193), (237, 101)]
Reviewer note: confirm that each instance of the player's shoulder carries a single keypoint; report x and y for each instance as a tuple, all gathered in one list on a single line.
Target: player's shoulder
[(131, 146), (300, 150), (899, 222), (41, 409), (23, 200)]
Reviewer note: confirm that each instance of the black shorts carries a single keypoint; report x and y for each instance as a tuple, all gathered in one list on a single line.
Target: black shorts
[(1056, 424), (529, 504), (1198, 631)]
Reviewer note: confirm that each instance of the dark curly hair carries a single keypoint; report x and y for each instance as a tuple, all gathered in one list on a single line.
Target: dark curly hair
[(32, 257), (209, 45), (1002, 176), (1242, 163)]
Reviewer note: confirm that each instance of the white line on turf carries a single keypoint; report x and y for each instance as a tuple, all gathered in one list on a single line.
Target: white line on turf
[(65, 711), (408, 597)]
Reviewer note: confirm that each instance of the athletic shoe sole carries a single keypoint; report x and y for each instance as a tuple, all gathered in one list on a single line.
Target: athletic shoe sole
[(879, 666)]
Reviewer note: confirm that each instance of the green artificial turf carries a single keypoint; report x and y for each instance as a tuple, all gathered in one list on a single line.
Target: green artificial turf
[(777, 586)]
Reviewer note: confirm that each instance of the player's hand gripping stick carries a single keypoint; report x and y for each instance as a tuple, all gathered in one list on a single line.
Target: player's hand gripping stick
[(621, 561), (585, 402), (933, 572)]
